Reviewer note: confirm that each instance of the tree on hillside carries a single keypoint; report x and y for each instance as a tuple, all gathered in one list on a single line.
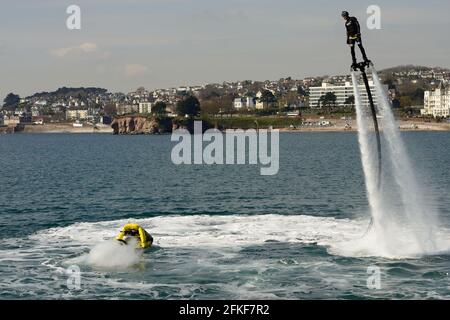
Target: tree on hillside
[(159, 108), (11, 100), (210, 106), (110, 109), (395, 103), (389, 81), (190, 106), (210, 93), (405, 101), (328, 100), (301, 91), (350, 100), (417, 96), (288, 100), (267, 96)]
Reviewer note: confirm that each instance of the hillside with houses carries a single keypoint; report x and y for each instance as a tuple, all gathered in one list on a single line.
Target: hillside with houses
[(409, 88)]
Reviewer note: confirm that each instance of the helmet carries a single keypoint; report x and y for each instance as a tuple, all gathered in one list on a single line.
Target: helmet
[(345, 14)]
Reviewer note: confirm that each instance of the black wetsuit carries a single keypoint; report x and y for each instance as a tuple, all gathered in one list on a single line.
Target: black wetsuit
[(354, 36)]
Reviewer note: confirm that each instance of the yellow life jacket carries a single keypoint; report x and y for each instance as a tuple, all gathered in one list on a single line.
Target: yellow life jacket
[(145, 240)]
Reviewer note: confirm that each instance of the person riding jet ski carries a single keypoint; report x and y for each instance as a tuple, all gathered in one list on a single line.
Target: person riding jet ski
[(132, 230), (354, 37)]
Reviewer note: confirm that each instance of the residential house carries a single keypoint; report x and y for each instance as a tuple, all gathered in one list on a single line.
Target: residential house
[(127, 109), (76, 114), (41, 103), (11, 120), (437, 102), (35, 111), (19, 111), (244, 103), (238, 103), (145, 107), (260, 105)]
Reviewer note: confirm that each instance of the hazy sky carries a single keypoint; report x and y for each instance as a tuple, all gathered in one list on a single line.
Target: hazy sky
[(124, 44)]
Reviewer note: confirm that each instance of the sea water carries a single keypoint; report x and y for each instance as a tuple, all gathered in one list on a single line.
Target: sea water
[(220, 232)]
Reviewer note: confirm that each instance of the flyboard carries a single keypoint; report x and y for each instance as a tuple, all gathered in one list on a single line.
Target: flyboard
[(362, 66)]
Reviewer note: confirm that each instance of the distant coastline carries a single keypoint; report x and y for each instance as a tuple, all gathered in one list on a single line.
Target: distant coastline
[(57, 128), (336, 126)]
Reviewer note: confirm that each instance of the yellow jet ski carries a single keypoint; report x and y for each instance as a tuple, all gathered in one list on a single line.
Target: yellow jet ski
[(133, 230)]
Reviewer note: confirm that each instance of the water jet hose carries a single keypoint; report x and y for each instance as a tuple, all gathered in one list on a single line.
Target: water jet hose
[(375, 123), (377, 131)]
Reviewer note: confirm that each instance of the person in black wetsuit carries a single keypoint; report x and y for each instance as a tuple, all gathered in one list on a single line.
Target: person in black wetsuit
[(354, 37)]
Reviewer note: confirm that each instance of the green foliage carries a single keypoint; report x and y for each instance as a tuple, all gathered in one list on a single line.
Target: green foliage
[(266, 112), (211, 106), (159, 108), (405, 101), (328, 99), (417, 96), (250, 122), (11, 100), (74, 92), (288, 99), (190, 106), (110, 109), (350, 100), (267, 96)]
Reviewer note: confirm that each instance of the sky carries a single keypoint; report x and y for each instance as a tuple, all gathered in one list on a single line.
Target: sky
[(124, 44)]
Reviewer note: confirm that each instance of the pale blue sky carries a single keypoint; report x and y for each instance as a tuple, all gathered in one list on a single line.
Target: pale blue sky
[(162, 43)]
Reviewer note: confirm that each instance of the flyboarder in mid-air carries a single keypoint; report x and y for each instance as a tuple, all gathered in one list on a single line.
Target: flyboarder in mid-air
[(354, 37)]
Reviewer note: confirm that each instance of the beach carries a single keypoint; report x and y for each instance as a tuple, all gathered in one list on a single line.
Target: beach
[(341, 126), (335, 126), (64, 128)]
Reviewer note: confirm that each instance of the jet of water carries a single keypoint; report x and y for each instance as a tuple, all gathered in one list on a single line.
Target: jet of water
[(414, 212), (404, 224)]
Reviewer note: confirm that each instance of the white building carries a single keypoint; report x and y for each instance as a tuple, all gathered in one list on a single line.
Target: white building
[(19, 111), (41, 103), (35, 111), (145, 107), (126, 108), (260, 105), (238, 103), (437, 102), (342, 92), (76, 114), (244, 103), (11, 120), (250, 103)]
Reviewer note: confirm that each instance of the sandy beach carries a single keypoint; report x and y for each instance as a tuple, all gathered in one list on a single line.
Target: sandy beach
[(341, 126), (65, 128), (336, 126)]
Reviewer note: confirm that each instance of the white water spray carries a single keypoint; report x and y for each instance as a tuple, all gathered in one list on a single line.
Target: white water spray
[(111, 255), (404, 224)]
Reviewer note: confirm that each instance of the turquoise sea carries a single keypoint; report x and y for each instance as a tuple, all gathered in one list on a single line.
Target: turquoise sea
[(221, 232)]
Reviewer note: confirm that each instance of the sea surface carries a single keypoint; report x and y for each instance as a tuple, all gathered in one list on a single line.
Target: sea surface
[(221, 232)]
